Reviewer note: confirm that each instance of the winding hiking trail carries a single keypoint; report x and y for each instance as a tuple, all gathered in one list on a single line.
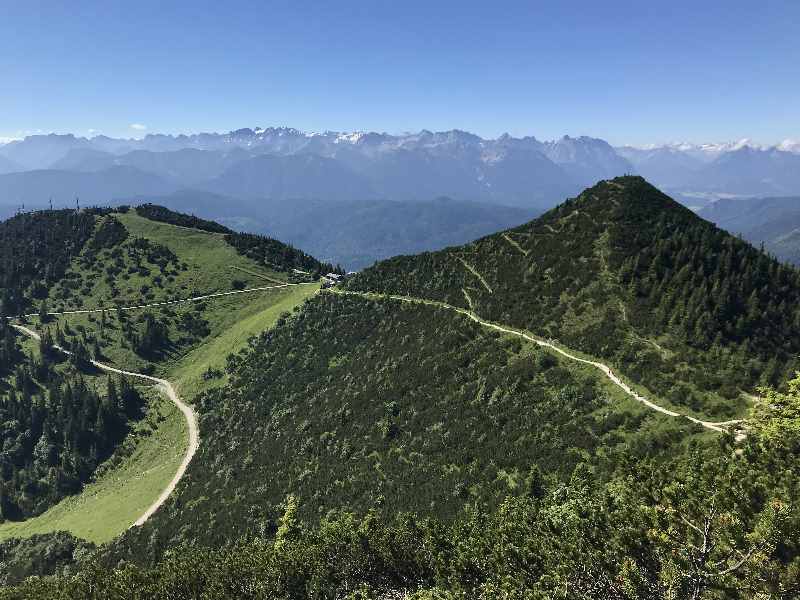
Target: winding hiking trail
[(166, 303), (719, 426), (188, 414)]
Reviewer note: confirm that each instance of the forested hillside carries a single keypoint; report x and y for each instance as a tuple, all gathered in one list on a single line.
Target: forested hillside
[(35, 252), (625, 273), (60, 421), (361, 405), (368, 447), (388, 447), (62, 417)]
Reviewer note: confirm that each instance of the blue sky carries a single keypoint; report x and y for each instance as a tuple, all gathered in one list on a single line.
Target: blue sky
[(630, 72)]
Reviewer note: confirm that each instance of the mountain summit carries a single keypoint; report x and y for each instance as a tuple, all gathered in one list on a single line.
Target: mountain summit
[(624, 272)]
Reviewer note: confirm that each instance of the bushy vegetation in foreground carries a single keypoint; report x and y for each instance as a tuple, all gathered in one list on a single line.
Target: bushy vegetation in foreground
[(47, 554), (716, 524)]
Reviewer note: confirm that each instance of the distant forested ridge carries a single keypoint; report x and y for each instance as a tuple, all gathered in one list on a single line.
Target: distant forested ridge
[(165, 215)]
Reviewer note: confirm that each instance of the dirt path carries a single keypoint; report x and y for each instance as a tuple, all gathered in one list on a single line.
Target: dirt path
[(188, 414), (714, 426), (474, 271), (254, 274), (515, 244), (167, 303)]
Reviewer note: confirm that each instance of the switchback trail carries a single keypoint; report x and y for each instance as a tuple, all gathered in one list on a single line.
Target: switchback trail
[(719, 426), (188, 414)]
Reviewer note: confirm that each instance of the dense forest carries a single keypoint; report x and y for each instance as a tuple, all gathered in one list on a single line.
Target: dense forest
[(42, 554), (35, 251), (625, 273), (277, 255), (165, 215), (56, 430)]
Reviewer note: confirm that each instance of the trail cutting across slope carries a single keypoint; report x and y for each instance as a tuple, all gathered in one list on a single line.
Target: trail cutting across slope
[(188, 414), (165, 303), (719, 426)]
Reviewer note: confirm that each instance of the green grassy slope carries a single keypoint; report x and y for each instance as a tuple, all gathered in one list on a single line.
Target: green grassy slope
[(174, 263), (119, 494)]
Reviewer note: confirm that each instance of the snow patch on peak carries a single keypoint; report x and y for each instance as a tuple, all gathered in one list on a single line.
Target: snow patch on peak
[(789, 146), (349, 138)]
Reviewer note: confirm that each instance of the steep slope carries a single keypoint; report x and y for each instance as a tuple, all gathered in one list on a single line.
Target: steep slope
[(364, 402), (356, 404), (397, 447), (625, 273)]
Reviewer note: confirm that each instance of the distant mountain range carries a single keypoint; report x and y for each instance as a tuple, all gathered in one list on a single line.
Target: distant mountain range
[(775, 222), (264, 174)]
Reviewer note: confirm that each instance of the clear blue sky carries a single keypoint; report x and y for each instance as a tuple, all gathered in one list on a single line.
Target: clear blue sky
[(643, 71)]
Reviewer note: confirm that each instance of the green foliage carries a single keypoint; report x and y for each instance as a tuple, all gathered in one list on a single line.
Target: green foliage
[(277, 255), (625, 273), (376, 449), (165, 215), (580, 540), (35, 252), (361, 405), (109, 233), (40, 555), (56, 431), (775, 418)]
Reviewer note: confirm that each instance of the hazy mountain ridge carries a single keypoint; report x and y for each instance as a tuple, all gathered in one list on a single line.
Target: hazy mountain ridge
[(773, 222), (259, 176), (418, 166)]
